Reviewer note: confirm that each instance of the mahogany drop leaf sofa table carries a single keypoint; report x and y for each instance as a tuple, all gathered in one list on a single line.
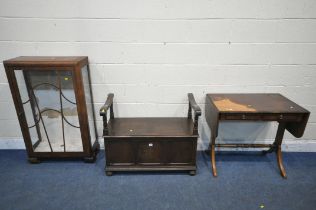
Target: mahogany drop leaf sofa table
[(150, 144), (255, 107)]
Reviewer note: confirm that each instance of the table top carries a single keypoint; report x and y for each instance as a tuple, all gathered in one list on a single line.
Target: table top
[(254, 103), (46, 60)]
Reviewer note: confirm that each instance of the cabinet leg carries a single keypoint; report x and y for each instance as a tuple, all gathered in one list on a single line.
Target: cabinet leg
[(212, 151), (280, 162), (90, 159), (97, 149), (94, 156), (34, 160)]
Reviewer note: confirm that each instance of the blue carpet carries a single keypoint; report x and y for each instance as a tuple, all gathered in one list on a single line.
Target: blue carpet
[(246, 181)]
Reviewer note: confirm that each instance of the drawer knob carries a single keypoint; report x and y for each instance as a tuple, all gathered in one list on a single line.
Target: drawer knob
[(243, 116), (281, 116)]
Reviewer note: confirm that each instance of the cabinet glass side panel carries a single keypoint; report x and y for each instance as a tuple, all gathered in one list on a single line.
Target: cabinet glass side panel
[(89, 104), (31, 114), (51, 111)]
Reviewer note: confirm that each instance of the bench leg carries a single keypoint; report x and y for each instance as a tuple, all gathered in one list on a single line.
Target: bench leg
[(192, 173), (109, 173)]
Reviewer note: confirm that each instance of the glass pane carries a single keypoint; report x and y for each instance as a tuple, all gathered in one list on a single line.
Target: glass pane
[(90, 107), (51, 110), (31, 115)]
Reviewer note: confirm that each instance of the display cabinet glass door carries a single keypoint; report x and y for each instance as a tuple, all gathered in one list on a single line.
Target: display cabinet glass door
[(50, 108), (89, 104)]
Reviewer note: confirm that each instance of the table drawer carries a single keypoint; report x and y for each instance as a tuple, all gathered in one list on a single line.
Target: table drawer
[(240, 117), (262, 117), (282, 117)]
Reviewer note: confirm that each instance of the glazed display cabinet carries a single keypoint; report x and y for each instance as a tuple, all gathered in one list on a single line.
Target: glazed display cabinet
[(54, 105)]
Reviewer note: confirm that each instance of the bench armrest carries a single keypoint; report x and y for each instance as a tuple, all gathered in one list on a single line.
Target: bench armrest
[(103, 112), (197, 112), (108, 104), (194, 105)]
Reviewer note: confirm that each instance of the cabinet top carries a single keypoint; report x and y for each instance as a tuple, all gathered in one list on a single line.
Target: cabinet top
[(55, 61)]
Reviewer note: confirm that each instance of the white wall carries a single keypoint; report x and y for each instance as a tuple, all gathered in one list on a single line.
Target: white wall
[(151, 53)]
